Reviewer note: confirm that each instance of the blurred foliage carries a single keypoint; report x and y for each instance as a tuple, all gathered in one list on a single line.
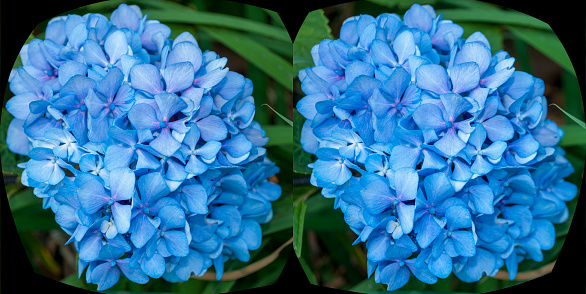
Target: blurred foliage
[(257, 46), (327, 256)]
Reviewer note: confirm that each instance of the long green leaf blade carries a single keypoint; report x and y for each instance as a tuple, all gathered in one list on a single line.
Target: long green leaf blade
[(298, 220), (257, 54), (492, 16), (220, 20), (546, 43), (278, 135), (573, 136), (313, 30)]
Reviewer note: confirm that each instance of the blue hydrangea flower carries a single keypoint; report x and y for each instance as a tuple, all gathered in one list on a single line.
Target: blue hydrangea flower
[(439, 153), (145, 148)]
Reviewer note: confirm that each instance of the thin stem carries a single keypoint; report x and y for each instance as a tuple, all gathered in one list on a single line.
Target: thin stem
[(526, 276), (245, 271)]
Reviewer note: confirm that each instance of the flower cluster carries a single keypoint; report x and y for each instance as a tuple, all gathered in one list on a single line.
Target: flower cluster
[(144, 147), (438, 152)]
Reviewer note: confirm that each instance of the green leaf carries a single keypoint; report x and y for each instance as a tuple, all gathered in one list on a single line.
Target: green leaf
[(270, 63), (367, 285), (298, 220), (579, 122), (492, 16), (307, 270), (275, 17), (73, 280), (181, 14), (573, 135), (8, 159), (278, 135), (282, 216), (474, 4), (571, 89), (288, 121), (28, 213), (313, 30), (492, 32), (546, 43), (300, 158), (401, 4)]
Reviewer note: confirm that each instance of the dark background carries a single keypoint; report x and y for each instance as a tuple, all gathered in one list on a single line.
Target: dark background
[(567, 19)]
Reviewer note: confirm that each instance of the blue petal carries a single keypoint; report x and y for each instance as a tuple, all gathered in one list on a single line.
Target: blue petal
[(482, 197), (210, 79), (212, 128), (402, 156), (146, 77), (525, 146), (464, 243), (141, 230), (176, 243), (121, 215), (105, 276), (94, 54), (406, 183), (377, 248), (376, 196), (110, 84), (115, 45), (185, 51), (154, 267), (251, 234), (357, 68), (450, 144), (458, 217), (421, 272), (441, 267), (437, 187), (406, 215), (381, 53), (429, 116), (125, 17), (404, 46), (498, 128), (178, 76), (133, 273), (432, 77), (519, 84), (464, 76), (171, 217), (92, 196), (475, 52), (16, 139), (237, 146), (122, 183), (480, 166), (196, 198), (69, 69), (418, 17), (395, 276), (143, 116), (117, 156)]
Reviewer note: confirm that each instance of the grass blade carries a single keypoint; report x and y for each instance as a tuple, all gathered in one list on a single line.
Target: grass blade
[(579, 122), (288, 121)]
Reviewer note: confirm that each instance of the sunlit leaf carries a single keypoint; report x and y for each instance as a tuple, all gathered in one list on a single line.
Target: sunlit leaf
[(313, 30)]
